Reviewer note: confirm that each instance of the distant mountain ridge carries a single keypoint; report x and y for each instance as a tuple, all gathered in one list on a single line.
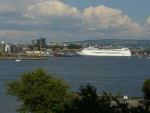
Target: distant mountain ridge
[(117, 42)]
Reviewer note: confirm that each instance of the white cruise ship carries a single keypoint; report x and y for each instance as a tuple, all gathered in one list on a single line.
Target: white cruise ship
[(91, 51)]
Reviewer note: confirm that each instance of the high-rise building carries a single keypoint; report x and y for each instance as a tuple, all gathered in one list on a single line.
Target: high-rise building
[(13, 48), (41, 42), (33, 42)]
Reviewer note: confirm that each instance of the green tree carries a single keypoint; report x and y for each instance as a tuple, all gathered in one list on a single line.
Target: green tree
[(88, 100), (39, 92), (74, 46), (146, 90)]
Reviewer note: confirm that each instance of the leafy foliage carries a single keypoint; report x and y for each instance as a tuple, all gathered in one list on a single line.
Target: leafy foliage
[(89, 102), (39, 92), (74, 46), (146, 89)]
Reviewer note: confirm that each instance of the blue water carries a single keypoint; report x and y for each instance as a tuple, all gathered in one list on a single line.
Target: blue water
[(118, 75)]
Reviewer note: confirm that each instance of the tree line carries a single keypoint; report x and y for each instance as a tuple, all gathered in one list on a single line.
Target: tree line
[(41, 92)]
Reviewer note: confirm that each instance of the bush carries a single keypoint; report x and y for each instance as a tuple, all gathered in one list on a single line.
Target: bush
[(39, 92)]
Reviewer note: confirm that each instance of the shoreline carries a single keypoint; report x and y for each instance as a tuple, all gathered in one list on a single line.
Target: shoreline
[(25, 58)]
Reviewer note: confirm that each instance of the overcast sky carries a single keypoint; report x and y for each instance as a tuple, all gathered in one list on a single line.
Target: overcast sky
[(73, 20)]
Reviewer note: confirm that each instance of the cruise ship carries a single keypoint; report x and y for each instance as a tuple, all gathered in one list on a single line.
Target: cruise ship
[(92, 51)]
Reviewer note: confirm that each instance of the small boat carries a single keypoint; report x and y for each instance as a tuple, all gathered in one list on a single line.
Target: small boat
[(58, 54), (18, 60)]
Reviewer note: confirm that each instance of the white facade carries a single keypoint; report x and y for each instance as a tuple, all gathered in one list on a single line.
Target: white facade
[(7, 48), (91, 51), (35, 52)]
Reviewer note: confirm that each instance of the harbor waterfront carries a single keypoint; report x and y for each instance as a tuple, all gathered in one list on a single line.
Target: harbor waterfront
[(117, 75)]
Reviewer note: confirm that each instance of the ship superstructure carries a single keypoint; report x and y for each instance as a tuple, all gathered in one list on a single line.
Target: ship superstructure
[(92, 51)]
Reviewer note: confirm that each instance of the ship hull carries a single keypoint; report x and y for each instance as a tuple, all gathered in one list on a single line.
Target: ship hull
[(105, 52)]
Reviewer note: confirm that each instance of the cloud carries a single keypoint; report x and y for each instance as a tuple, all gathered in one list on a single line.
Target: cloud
[(9, 15), (7, 12), (59, 21), (15, 35), (51, 15), (102, 17), (147, 26), (52, 8), (54, 12), (6, 9), (148, 21)]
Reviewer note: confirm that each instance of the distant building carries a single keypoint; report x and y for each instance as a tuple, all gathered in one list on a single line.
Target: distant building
[(2, 46), (41, 42), (7, 48), (14, 48), (33, 42), (31, 53)]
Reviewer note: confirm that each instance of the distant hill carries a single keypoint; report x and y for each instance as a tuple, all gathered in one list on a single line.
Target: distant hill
[(117, 42)]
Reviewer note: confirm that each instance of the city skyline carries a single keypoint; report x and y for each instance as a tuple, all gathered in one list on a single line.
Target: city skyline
[(73, 20)]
